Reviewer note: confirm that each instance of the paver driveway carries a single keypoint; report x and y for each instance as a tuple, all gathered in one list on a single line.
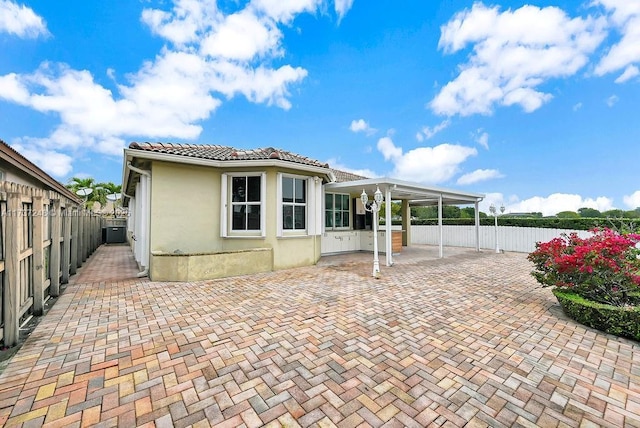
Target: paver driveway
[(465, 341)]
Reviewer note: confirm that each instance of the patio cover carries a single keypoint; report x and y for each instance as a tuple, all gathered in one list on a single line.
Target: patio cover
[(414, 194)]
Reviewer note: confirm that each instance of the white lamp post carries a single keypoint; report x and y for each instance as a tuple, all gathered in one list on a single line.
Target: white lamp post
[(494, 212), (374, 208)]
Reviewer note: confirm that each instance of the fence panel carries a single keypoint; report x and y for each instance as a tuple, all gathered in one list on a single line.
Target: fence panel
[(510, 238), (25, 259), (3, 213), (36, 233)]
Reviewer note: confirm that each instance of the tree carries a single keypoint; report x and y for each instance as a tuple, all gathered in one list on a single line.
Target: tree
[(467, 212), (99, 191), (613, 213), (396, 209), (632, 213), (589, 212), (568, 214)]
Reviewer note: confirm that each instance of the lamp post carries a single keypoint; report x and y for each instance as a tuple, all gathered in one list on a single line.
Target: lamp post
[(494, 212), (374, 208)]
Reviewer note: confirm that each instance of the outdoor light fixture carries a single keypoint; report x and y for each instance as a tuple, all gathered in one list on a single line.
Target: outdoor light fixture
[(494, 212), (374, 207)]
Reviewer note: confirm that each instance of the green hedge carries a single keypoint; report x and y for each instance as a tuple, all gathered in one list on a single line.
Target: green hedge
[(624, 322), (548, 223)]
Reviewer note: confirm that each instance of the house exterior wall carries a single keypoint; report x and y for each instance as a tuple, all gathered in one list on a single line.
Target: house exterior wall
[(186, 235), (10, 173), (185, 207)]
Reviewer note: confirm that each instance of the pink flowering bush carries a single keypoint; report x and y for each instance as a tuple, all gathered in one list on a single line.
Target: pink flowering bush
[(603, 268)]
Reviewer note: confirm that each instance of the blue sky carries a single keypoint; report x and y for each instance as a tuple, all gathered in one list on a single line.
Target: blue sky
[(534, 104)]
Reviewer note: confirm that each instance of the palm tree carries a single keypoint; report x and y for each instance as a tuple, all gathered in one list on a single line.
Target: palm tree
[(106, 189), (99, 191), (76, 183)]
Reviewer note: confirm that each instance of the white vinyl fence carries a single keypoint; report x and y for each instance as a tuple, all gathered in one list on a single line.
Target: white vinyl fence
[(510, 238)]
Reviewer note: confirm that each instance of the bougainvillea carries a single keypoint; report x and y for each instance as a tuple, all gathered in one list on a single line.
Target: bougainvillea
[(604, 268)]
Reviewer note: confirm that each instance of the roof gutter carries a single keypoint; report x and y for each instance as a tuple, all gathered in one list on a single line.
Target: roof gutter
[(141, 154), (145, 272)]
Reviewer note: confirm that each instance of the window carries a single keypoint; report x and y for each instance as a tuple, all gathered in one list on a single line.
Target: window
[(242, 212), (336, 211), (294, 203), (245, 203)]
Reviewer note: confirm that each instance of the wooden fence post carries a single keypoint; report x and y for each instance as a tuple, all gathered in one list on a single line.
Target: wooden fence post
[(12, 268), (80, 237), (66, 245), (38, 255), (74, 241), (87, 236), (54, 259)]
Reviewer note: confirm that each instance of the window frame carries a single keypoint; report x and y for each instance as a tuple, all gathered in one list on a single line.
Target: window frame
[(333, 211), (281, 231), (227, 205)]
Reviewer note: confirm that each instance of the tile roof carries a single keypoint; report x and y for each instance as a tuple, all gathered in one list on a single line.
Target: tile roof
[(223, 153), (342, 176)]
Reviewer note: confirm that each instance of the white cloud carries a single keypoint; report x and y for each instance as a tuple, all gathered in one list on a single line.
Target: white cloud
[(629, 73), (364, 172), (479, 175), (577, 106), (482, 138), (11, 89), (428, 132), (425, 164), (242, 36), (612, 100), (388, 149), (209, 57), (21, 21), (285, 10), (557, 202), (54, 163), (625, 17), (361, 125), (187, 22), (632, 200), (514, 52), (342, 7)]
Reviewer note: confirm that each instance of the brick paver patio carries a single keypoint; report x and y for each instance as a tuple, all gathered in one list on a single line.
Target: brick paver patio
[(465, 341)]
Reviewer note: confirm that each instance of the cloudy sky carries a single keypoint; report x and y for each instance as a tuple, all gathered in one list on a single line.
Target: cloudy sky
[(535, 104)]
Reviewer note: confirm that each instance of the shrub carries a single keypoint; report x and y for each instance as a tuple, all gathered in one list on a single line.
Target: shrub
[(603, 268), (623, 322)]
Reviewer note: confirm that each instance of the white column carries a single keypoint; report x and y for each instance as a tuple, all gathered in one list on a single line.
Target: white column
[(137, 224), (387, 224), (440, 228), (477, 218), (145, 221)]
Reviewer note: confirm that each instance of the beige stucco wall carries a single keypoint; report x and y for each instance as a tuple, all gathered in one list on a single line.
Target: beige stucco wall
[(185, 204), (185, 208), (196, 267)]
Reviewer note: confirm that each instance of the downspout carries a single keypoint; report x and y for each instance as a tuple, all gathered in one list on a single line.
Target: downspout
[(147, 174)]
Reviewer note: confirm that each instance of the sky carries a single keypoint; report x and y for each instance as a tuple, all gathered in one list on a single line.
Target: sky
[(534, 104)]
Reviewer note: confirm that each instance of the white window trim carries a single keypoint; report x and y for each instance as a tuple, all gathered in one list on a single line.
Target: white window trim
[(226, 206), (309, 205), (324, 211)]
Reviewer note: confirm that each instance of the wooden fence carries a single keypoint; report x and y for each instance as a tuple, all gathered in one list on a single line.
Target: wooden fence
[(45, 237)]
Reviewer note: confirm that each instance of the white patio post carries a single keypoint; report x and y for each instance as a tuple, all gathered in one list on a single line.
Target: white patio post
[(374, 208), (387, 223), (440, 228), (477, 218)]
